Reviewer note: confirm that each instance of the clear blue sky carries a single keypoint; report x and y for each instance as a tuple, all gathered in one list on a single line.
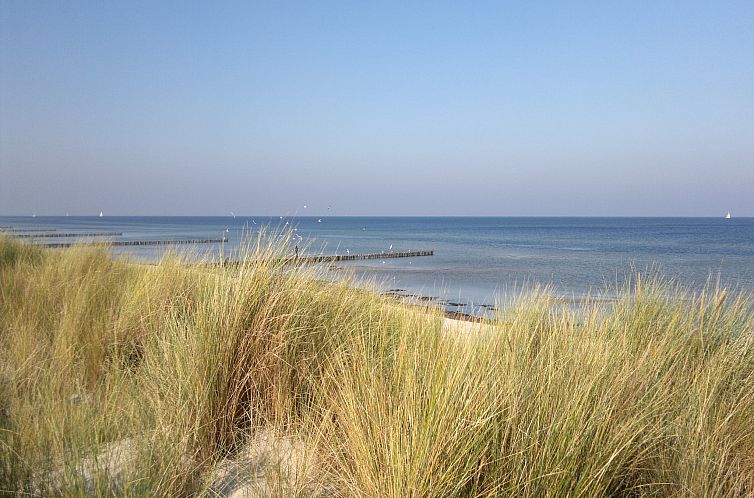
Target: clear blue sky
[(432, 108)]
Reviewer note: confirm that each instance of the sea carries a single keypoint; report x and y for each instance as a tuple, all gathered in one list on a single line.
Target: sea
[(478, 262)]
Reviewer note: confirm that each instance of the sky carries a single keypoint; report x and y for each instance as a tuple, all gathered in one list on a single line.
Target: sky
[(532, 108)]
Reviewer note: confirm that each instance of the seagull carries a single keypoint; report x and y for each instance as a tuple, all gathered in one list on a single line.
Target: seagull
[(391, 247), (304, 206), (348, 251)]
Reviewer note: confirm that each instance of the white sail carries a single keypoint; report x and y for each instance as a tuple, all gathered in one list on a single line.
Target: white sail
[(100, 214), (727, 216)]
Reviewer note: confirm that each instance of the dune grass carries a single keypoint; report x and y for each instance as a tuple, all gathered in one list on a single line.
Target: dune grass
[(154, 380)]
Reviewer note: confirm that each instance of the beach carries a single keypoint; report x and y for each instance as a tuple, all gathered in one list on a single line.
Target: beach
[(376, 249), (264, 378)]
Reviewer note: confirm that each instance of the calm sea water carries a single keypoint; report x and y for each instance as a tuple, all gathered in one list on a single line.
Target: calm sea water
[(476, 259)]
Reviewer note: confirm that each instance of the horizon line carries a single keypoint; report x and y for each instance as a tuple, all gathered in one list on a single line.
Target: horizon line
[(359, 216)]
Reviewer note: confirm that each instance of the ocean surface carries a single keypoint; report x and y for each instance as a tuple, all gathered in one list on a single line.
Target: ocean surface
[(477, 261)]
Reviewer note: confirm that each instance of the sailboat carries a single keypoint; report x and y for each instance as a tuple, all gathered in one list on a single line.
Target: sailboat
[(727, 215), (100, 214)]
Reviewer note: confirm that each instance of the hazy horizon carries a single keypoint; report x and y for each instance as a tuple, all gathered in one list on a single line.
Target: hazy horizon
[(400, 109), (325, 215)]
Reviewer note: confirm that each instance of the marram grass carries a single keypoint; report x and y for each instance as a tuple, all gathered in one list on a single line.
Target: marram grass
[(164, 380)]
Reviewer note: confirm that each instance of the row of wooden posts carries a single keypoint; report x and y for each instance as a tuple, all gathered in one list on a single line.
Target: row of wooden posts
[(118, 243), (65, 235), (333, 258), (357, 257)]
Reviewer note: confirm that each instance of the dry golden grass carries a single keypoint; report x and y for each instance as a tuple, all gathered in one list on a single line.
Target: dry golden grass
[(160, 380)]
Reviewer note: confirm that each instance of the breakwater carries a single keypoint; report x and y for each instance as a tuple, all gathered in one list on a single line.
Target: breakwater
[(65, 235), (120, 243), (357, 257), (334, 258)]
